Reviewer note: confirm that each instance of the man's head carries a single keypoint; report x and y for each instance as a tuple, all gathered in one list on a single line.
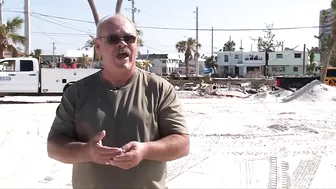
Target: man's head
[(116, 42)]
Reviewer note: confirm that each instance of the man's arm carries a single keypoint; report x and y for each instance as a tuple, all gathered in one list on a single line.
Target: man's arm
[(169, 148), (61, 144), (175, 142)]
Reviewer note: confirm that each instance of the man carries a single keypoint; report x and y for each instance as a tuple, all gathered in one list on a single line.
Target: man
[(120, 126)]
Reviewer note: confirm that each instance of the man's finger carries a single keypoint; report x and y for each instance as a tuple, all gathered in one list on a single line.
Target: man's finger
[(108, 150), (123, 158), (128, 147)]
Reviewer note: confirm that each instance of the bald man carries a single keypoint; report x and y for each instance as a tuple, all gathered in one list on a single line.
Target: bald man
[(120, 126)]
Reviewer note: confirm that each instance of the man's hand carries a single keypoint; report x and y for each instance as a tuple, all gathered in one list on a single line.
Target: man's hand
[(98, 153), (133, 154)]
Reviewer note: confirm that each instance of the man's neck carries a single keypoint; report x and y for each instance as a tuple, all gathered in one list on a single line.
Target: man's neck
[(116, 78)]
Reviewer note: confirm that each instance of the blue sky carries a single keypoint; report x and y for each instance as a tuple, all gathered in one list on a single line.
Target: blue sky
[(177, 14)]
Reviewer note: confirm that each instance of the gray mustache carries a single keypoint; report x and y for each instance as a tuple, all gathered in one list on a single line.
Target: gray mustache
[(124, 50)]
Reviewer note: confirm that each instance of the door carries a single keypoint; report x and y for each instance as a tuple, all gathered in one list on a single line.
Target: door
[(7, 76), (236, 70), (29, 79)]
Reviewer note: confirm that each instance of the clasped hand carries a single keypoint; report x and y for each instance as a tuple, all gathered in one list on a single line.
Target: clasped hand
[(126, 157)]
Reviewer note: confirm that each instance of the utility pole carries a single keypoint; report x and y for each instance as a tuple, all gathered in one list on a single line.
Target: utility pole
[(133, 11), (1, 3), (197, 64), (27, 26), (241, 45), (304, 60), (282, 45), (212, 39), (54, 52)]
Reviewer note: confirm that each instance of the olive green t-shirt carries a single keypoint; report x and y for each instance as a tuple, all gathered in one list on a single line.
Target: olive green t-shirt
[(146, 109)]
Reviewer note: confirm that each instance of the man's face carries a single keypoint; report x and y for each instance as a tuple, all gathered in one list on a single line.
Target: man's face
[(117, 44)]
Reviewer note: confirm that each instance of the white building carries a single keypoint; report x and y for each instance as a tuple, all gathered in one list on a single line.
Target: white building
[(192, 67), (287, 63), (162, 63), (238, 63)]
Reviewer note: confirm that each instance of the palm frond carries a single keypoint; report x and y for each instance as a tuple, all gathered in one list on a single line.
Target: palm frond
[(14, 25), (16, 39)]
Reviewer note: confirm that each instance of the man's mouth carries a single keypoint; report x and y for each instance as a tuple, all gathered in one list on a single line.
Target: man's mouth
[(123, 53)]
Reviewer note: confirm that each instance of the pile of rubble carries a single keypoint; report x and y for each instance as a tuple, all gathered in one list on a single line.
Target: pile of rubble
[(243, 90)]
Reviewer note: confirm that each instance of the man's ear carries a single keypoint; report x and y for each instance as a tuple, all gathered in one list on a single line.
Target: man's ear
[(97, 46)]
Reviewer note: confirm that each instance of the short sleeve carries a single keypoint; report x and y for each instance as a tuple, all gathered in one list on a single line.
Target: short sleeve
[(171, 119), (64, 122)]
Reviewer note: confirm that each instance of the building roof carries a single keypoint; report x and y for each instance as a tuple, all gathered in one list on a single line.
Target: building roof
[(159, 56)]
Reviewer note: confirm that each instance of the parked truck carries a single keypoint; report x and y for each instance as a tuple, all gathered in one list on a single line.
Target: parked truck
[(25, 76)]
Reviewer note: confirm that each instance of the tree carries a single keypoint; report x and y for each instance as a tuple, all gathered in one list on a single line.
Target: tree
[(83, 61), (143, 64), (312, 64), (67, 61), (36, 54), (91, 42), (267, 43), (188, 47), (229, 46), (9, 35), (139, 35), (94, 11), (328, 42), (210, 62)]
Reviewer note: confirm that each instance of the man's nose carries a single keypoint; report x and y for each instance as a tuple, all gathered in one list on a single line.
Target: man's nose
[(122, 43)]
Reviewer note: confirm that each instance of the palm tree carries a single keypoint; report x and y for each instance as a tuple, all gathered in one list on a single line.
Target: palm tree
[(90, 43), (188, 47), (83, 62), (139, 35), (143, 64), (9, 35)]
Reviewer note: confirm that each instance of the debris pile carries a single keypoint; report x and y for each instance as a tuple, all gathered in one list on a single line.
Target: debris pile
[(243, 90), (314, 91)]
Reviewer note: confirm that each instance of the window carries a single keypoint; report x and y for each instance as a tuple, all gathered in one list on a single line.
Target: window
[(226, 58), (331, 73), (26, 66), (278, 55), (297, 55), (236, 56), (295, 69), (7, 66), (164, 69), (278, 69)]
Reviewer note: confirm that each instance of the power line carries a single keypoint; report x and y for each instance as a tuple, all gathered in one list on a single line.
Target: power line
[(60, 34), (88, 33), (180, 29), (52, 39)]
